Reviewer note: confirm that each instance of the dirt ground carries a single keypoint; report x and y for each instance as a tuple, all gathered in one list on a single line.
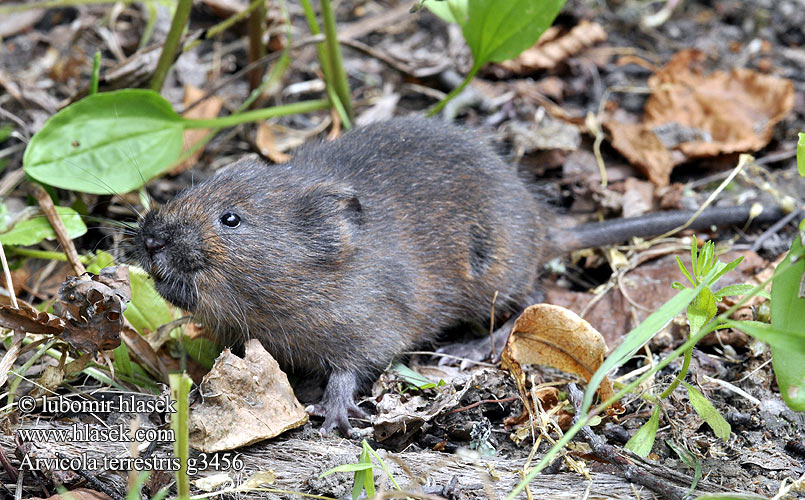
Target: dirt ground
[(468, 438)]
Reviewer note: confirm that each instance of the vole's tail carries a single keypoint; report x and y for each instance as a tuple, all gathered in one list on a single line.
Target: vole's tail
[(615, 231)]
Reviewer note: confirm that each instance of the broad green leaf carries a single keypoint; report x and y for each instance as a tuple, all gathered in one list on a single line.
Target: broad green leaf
[(204, 351), (450, 11), (147, 310), (112, 142), (701, 310), (788, 313), (496, 31), (792, 341), (801, 154), (643, 440), (706, 410), (37, 228), (122, 361), (99, 261)]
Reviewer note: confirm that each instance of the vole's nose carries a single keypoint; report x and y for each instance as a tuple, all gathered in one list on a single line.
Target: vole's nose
[(153, 244)]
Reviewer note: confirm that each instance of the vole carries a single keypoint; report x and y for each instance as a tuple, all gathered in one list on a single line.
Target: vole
[(362, 248)]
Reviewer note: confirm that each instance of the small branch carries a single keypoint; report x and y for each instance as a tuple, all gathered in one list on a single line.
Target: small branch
[(46, 204)]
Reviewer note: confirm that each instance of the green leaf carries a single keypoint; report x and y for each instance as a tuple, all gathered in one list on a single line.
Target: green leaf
[(122, 361), (99, 261), (690, 460), (637, 337), (701, 310), (801, 154), (5, 131), (111, 142), (37, 228), (643, 440), (726, 268), (413, 378), (706, 410), (732, 290), (684, 271), (788, 313), (348, 468), (365, 478), (496, 31), (450, 11), (204, 351), (792, 341), (147, 310)]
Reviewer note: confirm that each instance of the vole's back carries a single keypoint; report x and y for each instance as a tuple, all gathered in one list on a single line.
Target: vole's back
[(442, 211), (356, 250)]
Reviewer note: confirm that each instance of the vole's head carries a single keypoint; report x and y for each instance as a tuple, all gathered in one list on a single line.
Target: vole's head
[(254, 236)]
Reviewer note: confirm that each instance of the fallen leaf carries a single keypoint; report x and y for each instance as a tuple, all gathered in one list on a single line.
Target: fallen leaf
[(550, 335), (268, 145), (92, 307), (692, 115), (77, 494), (208, 108), (552, 48), (245, 400), (28, 319)]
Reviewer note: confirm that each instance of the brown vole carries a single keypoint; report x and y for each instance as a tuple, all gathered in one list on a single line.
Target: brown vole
[(359, 249)]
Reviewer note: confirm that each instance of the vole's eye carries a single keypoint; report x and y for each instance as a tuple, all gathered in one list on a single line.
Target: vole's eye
[(230, 219)]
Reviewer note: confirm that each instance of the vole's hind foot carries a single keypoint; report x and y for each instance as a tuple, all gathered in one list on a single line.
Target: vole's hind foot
[(476, 350), (337, 404)]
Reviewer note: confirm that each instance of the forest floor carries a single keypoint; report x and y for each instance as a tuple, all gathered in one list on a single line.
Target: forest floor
[(742, 64)]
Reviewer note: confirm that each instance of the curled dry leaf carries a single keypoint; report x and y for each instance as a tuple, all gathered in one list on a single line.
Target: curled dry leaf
[(28, 319), (245, 400), (552, 48), (692, 115), (92, 308), (551, 335)]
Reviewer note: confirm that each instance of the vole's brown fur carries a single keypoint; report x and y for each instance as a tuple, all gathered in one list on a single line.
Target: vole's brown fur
[(357, 250), (352, 253)]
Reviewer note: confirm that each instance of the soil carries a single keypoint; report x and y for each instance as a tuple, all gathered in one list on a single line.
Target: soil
[(469, 437)]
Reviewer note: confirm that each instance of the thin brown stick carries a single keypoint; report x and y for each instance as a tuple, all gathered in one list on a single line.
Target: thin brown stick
[(9, 283), (46, 204)]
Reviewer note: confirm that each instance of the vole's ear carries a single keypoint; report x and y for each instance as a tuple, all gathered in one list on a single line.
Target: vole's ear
[(330, 215)]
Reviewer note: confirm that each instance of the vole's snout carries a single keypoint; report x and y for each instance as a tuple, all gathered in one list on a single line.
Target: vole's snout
[(153, 244)]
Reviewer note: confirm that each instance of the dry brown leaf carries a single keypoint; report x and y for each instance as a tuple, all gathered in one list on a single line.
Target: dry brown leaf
[(692, 115), (551, 335), (551, 50), (246, 400), (77, 494), (208, 108), (268, 145), (92, 308), (28, 319), (643, 149)]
